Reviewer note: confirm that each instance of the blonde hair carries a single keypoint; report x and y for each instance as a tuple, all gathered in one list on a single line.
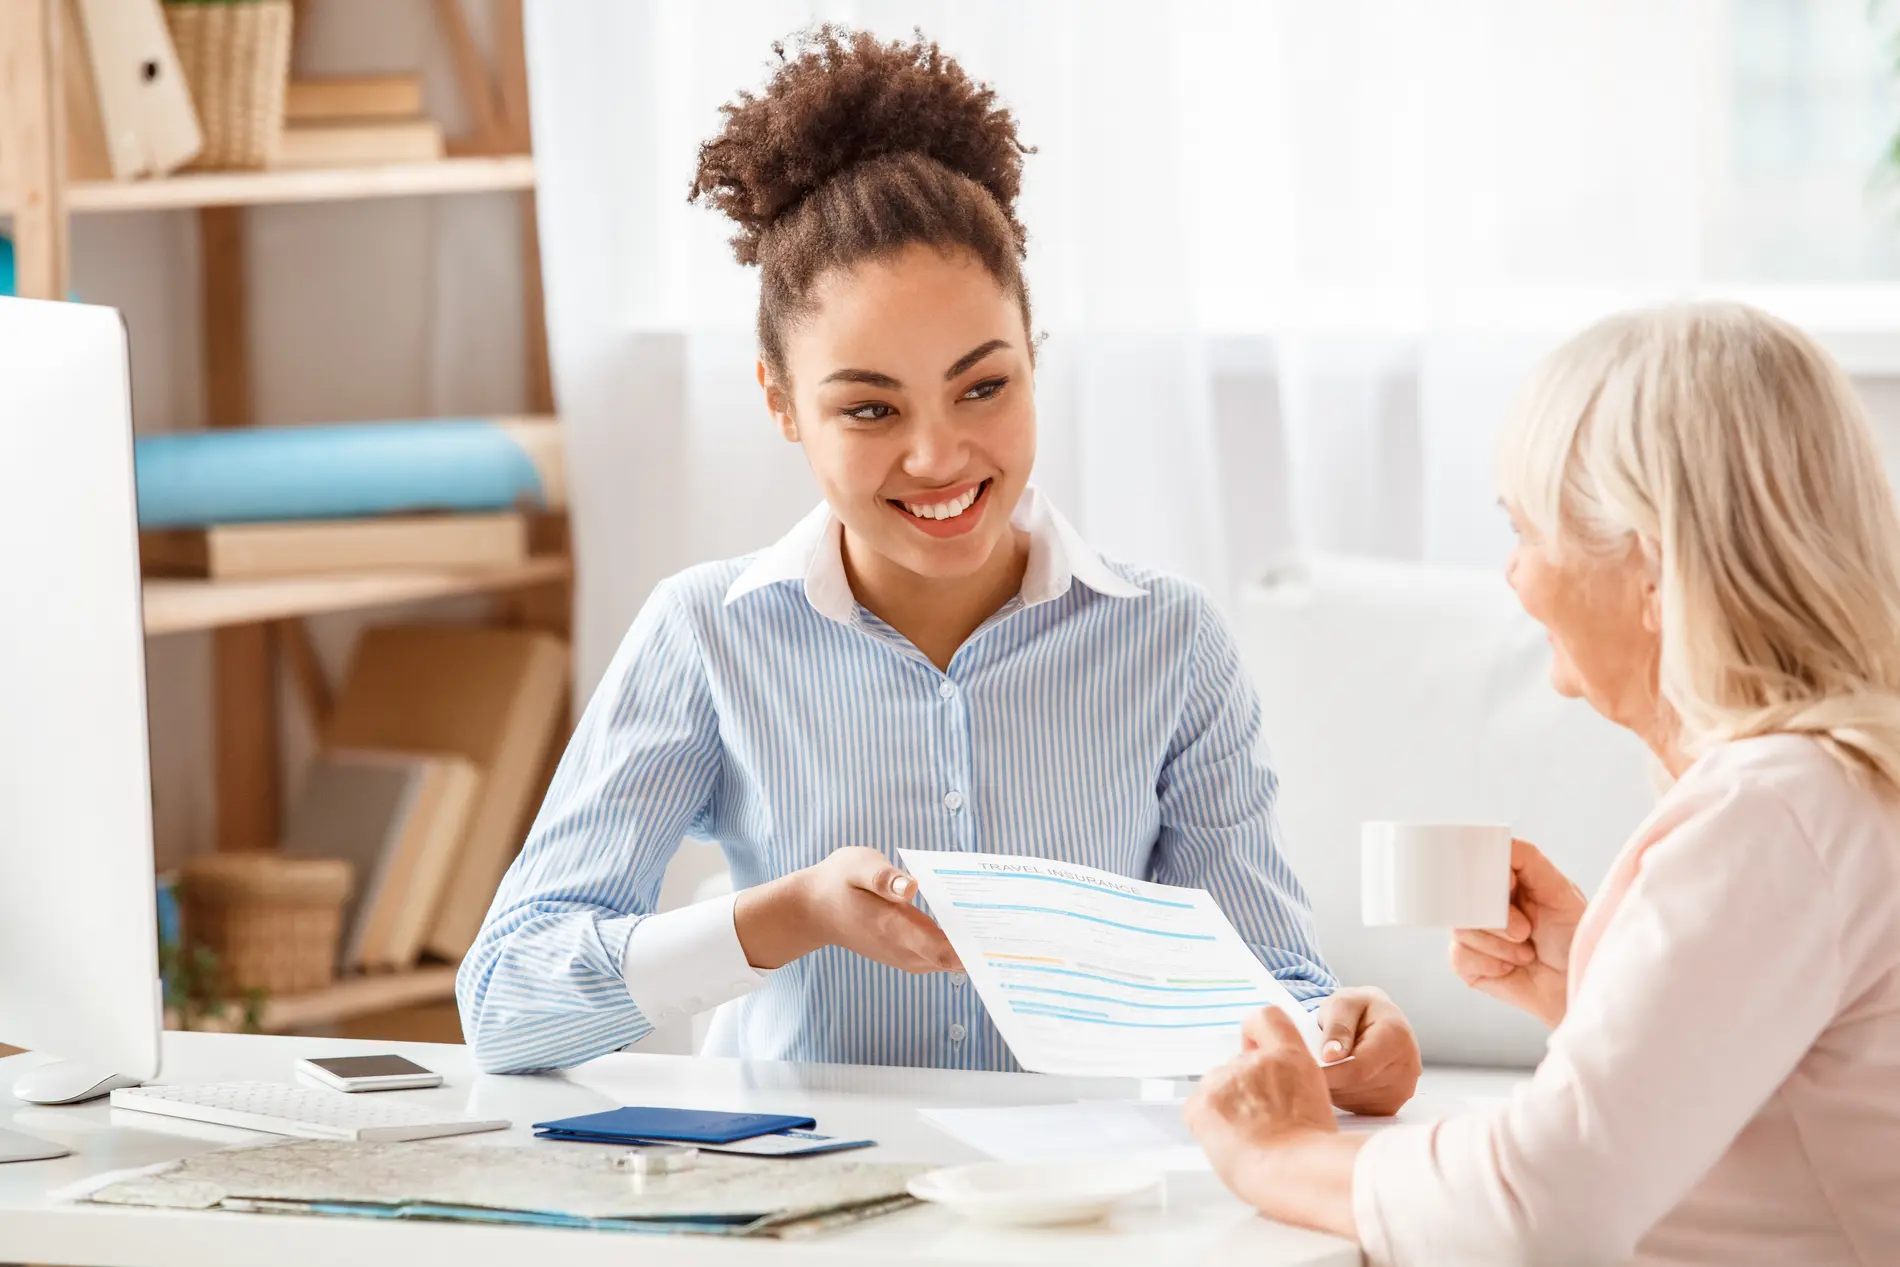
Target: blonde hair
[(1733, 451)]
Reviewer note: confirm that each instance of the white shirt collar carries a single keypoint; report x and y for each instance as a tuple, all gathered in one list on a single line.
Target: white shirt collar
[(812, 552)]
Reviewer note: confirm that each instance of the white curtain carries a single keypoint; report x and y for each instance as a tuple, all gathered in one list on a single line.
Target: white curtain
[(1292, 256)]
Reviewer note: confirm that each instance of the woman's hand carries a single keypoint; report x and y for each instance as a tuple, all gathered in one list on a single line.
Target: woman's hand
[(1528, 964), (855, 898), (1363, 1023), (1266, 1122)]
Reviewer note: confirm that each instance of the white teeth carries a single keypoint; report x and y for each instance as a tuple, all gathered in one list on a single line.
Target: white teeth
[(944, 510)]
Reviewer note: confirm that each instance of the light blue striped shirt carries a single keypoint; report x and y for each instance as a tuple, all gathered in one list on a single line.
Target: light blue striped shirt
[(1100, 717)]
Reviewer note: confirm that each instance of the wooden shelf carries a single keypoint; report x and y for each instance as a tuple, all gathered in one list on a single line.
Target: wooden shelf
[(330, 184), (348, 997), (176, 606)]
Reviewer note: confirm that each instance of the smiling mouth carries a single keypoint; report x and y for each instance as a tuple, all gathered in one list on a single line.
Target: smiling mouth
[(952, 509)]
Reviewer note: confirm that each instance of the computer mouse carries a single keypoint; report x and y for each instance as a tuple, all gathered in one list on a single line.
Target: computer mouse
[(68, 1082)]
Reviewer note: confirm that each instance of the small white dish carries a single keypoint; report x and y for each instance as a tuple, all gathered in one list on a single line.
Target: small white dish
[(1036, 1193)]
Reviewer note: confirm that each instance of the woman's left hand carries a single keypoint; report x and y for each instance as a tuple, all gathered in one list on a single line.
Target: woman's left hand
[(1363, 1023), (1270, 1095)]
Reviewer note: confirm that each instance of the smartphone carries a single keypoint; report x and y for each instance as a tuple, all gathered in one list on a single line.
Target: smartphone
[(368, 1073)]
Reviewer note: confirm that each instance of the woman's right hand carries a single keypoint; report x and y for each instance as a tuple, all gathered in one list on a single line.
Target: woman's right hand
[(1527, 964), (856, 898)]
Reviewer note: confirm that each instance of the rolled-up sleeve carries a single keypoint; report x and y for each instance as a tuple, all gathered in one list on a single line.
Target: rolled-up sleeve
[(543, 986), (1218, 827), (1713, 977)]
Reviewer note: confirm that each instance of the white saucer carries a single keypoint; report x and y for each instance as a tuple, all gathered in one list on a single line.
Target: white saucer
[(1037, 1193)]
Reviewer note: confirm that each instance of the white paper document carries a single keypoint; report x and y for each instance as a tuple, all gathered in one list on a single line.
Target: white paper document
[(1088, 973)]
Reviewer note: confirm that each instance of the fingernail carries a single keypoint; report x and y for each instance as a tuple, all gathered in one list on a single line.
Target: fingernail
[(901, 886), (1334, 1048)]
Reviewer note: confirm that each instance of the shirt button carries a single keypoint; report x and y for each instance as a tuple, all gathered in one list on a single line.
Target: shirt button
[(959, 978), (953, 801), (957, 1032), (946, 688)]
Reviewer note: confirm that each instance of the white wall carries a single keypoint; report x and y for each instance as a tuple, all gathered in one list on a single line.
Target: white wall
[(366, 310)]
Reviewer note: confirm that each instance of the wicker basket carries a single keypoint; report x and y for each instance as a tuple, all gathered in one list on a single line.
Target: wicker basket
[(275, 922), (236, 59)]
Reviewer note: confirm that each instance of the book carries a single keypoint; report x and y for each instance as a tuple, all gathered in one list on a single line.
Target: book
[(353, 97), (495, 696), (400, 818), (419, 871), (253, 551), (358, 142), (132, 107)]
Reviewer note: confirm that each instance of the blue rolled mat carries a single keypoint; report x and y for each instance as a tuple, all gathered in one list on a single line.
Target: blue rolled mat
[(331, 472)]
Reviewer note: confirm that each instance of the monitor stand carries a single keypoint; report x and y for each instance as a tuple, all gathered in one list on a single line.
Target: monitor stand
[(17, 1147), (68, 1082)]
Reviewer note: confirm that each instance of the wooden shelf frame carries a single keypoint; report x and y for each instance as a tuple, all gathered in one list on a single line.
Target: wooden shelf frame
[(468, 174), (174, 605)]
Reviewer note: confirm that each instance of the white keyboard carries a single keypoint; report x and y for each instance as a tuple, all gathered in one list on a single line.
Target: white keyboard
[(282, 1109)]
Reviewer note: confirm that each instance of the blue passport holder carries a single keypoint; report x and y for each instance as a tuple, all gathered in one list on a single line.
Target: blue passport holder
[(673, 1126)]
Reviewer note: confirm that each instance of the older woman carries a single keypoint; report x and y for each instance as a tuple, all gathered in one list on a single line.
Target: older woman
[(1707, 535)]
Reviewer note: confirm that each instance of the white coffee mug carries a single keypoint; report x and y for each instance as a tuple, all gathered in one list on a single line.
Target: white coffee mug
[(1448, 875)]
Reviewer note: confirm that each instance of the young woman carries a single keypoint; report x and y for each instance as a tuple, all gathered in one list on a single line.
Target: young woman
[(932, 659), (1709, 536)]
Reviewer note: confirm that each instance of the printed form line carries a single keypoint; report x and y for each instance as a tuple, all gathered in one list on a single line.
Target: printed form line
[(1057, 1015), (1051, 910), (1152, 1007), (1129, 985), (1080, 884)]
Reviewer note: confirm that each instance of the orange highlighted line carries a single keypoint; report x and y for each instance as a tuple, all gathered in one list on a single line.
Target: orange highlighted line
[(1026, 958)]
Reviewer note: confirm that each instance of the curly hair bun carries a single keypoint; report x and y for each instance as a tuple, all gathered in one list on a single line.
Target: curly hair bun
[(845, 98)]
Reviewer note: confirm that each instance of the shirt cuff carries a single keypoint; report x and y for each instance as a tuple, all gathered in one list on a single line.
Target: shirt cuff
[(688, 960)]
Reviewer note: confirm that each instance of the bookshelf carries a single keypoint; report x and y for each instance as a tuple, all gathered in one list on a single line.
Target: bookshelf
[(256, 627)]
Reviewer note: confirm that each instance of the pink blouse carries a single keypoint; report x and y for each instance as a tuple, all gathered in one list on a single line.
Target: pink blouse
[(1725, 1087)]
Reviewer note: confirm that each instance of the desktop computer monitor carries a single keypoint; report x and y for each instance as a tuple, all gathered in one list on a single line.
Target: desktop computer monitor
[(78, 936)]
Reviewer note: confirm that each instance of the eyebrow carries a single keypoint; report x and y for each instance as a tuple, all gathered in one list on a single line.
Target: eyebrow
[(971, 357), (875, 378)]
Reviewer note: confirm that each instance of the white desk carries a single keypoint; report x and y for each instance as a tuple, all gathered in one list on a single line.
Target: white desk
[(1195, 1222)]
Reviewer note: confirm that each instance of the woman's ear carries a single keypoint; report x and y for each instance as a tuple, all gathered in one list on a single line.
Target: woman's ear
[(778, 403), (1651, 594)]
